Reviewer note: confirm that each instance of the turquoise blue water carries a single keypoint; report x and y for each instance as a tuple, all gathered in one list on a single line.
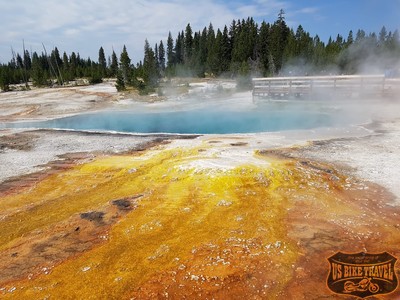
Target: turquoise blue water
[(201, 121)]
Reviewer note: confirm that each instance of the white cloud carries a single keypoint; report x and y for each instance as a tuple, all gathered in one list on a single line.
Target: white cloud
[(248, 10), (71, 32), (84, 26), (308, 10)]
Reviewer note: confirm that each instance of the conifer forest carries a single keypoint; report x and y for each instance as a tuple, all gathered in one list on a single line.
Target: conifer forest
[(241, 49)]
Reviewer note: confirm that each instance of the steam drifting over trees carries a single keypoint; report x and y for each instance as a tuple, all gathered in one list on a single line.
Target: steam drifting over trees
[(242, 48)]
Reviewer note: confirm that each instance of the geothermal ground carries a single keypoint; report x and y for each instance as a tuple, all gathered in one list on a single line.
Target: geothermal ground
[(86, 215)]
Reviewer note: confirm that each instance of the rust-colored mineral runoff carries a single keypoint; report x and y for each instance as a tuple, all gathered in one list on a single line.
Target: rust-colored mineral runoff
[(166, 223)]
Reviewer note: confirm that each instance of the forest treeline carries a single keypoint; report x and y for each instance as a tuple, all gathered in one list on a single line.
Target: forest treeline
[(239, 50)]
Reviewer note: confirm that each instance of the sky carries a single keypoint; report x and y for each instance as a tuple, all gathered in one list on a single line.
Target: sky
[(85, 26)]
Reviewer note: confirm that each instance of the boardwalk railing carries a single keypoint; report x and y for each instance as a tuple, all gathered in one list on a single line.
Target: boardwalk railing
[(346, 85)]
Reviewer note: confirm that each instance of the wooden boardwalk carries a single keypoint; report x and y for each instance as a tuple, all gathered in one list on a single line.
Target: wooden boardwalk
[(344, 85)]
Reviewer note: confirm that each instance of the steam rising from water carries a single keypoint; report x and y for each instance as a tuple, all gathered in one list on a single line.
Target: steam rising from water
[(215, 108), (238, 115), (192, 122)]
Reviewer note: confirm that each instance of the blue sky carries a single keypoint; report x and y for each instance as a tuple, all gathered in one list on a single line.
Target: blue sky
[(84, 26)]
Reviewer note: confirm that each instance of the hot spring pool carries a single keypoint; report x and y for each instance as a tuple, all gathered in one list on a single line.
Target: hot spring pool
[(199, 121)]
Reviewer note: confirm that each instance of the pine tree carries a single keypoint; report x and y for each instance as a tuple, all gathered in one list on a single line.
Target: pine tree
[(66, 68), (225, 54), (203, 52), (5, 78), (102, 62), (210, 48), (170, 54), (156, 58), (232, 34), (292, 49), (263, 46), (188, 45), (56, 59), (125, 65), (319, 57), (382, 36), (20, 63), (237, 46), (27, 60), (73, 65), (38, 74), (360, 36), (150, 74), (170, 50), (199, 50), (179, 49), (95, 75), (393, 44), (350, 38), (271, 65), (215, 55), (305, 45), (278, 40), (114, 65), (251, 39), (161, 58), (120, 83)]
